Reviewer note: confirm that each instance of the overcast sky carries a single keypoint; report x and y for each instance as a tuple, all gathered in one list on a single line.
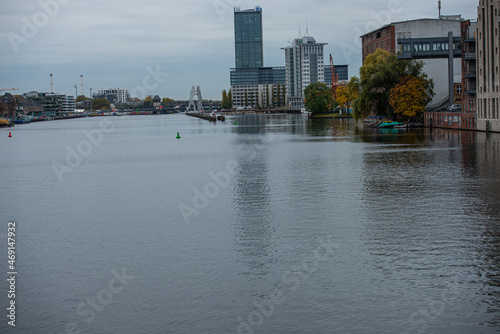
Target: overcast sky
[(159, 47)]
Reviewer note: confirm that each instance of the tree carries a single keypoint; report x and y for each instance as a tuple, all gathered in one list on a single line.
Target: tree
[(346, 94), (230, 99), (267, 96), (379, 74), (342, 96), (318, 98), (224, 99), (148, 101), (81, 98), (3, 108), (166, 101), (278, 96), (246, 99), (100, 104), (409, 96)]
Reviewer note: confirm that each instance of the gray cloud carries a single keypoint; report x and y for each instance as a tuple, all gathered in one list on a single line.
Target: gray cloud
[(111, 43)]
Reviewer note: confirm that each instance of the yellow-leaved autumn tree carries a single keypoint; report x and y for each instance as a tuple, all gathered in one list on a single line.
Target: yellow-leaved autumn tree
[(409, 96), (347, 93), (342, 96)]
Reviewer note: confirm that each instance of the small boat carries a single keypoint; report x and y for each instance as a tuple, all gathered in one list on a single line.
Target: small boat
[(400, 126), (21, 120), (5, 123), (388, 125)]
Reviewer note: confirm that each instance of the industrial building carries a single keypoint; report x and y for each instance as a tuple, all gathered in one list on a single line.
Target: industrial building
[(427, 40)]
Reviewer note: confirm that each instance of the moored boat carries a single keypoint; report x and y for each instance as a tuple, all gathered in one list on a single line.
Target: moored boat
[(21, 120), (5, 123), (388, 125)]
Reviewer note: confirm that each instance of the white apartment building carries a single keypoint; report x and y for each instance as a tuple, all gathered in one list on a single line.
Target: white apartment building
[(304, 63), (113, 95)]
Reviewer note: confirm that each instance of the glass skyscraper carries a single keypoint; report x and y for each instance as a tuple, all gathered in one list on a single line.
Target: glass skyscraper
[(248, 38)]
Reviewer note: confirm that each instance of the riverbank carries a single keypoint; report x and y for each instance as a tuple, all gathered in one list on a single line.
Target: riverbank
[(330, 115)]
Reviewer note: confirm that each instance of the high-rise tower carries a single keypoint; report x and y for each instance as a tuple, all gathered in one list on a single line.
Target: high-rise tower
[(248, 38)]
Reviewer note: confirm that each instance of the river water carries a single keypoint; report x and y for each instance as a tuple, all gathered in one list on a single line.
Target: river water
[(275, 224)]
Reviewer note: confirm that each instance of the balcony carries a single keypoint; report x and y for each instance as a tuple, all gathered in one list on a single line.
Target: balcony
[(471, 92)]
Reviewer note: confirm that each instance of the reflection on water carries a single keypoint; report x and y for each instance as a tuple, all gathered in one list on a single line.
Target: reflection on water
[(252, 200), (415, 215)]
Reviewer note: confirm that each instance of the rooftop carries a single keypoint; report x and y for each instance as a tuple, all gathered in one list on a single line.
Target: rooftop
[(443, 18)]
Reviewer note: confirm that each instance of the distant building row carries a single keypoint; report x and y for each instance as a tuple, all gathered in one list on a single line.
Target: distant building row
[(50, 104), (254, 85)]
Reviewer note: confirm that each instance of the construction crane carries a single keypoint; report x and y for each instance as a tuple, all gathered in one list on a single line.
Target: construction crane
[(335, 77), (4, 89)]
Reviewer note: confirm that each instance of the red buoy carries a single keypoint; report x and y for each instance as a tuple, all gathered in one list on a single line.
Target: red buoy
[(10, 134)]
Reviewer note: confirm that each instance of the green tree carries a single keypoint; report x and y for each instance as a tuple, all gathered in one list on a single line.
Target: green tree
[(283, 91), (318, 98), (224, 99), (81, 98), (278, 95), (148, 101), (379, 74), (267, 96), (230, 99), (246, 99), (100, 104)]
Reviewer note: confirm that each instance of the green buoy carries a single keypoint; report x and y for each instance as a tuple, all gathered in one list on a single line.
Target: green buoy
[(178, 136), (235, 123)]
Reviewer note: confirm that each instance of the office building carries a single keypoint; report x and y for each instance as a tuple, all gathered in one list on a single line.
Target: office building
[(52, 103), (248, 38), (113, 95), (249, 86), (304, 63), (342, 72), (69, 104), (488, 63), (250, 80)]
